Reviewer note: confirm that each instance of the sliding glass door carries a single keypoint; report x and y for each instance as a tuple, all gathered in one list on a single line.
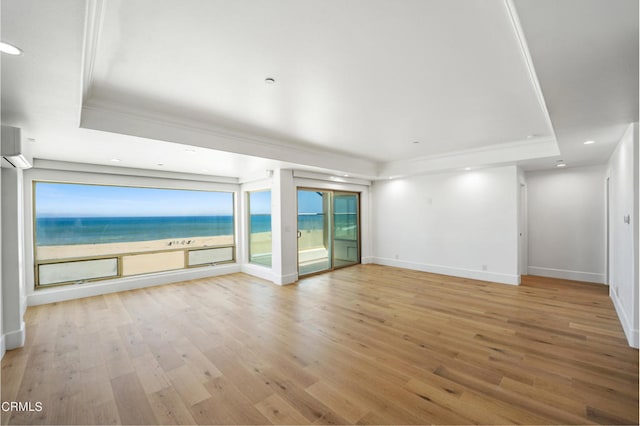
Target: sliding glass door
[(314, 250), (328, 230), (346, 247)]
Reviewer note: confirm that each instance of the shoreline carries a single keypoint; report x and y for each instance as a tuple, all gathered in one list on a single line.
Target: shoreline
[(105, 249), (260, 242)]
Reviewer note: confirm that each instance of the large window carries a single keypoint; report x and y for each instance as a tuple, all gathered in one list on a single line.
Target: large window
[(260, 228), (90, 232)]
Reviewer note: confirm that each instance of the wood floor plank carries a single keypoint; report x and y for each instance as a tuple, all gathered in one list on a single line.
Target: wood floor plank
[(249, 382), (452, 401), (13, 366), (151, 375), (188, 385), (280, 412), (169, 408), (367, 344), (239, 408), (132, 402), (199, 364), (338, 402), (211, 412)]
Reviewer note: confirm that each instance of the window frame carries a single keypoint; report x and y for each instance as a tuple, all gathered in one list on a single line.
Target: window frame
[(120, 256), (249, 261)]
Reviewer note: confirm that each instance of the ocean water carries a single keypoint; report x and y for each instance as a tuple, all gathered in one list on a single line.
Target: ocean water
[(97, 230), (52, 231), (260, 223)]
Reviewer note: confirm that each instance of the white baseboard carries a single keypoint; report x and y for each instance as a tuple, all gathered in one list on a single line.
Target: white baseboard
[(367, 260), (267, 274), (13, 339), (70, 292), (566, 274), (497, 277), (286, 279), (632, 334), (259, 271)]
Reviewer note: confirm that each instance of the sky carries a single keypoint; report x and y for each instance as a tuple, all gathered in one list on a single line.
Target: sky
[(309, 202), (260, 202), (74, 200)]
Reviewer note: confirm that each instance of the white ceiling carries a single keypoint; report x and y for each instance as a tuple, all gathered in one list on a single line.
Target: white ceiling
[(586, 57), (357, 83)]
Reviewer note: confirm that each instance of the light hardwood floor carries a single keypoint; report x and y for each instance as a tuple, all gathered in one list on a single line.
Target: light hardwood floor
[(366, 344)]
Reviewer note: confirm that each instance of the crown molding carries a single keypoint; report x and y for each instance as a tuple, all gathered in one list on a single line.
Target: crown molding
[(491, 155), (94, 17), (304, 174), (42, 164), (526, 55), (115, 119), (112, 118)]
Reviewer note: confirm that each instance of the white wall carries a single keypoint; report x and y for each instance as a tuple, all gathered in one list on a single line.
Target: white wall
[(463, 224), (13, 288), (566, 223), (2, 344), (284, 256), (623, 248), (523, 255)]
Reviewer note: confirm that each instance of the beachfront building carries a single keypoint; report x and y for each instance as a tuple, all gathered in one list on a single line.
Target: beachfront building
[(375, 212)]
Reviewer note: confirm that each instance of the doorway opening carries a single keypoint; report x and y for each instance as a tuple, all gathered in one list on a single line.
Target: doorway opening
[(523, 260), (328, 230), (607, 213)]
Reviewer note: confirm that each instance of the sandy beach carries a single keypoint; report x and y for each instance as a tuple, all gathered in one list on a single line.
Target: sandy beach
[(260, 243), (93, 250)]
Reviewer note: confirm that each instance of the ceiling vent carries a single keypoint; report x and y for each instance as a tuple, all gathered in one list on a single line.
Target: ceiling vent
[(13, 154)]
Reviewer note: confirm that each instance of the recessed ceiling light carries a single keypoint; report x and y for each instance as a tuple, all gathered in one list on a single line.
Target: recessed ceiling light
[(346, 175), (160, 164), (204, 170), (9, 48), (589, 142), (467, 168), (116, 160), (561, 165), (416, 142), (269, 80)]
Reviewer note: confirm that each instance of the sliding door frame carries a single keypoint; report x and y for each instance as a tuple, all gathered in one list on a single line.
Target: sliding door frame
[(358, 239), (331, 228)]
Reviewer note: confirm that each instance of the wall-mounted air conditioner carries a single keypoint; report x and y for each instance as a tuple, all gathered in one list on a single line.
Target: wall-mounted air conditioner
[(13, 154)]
